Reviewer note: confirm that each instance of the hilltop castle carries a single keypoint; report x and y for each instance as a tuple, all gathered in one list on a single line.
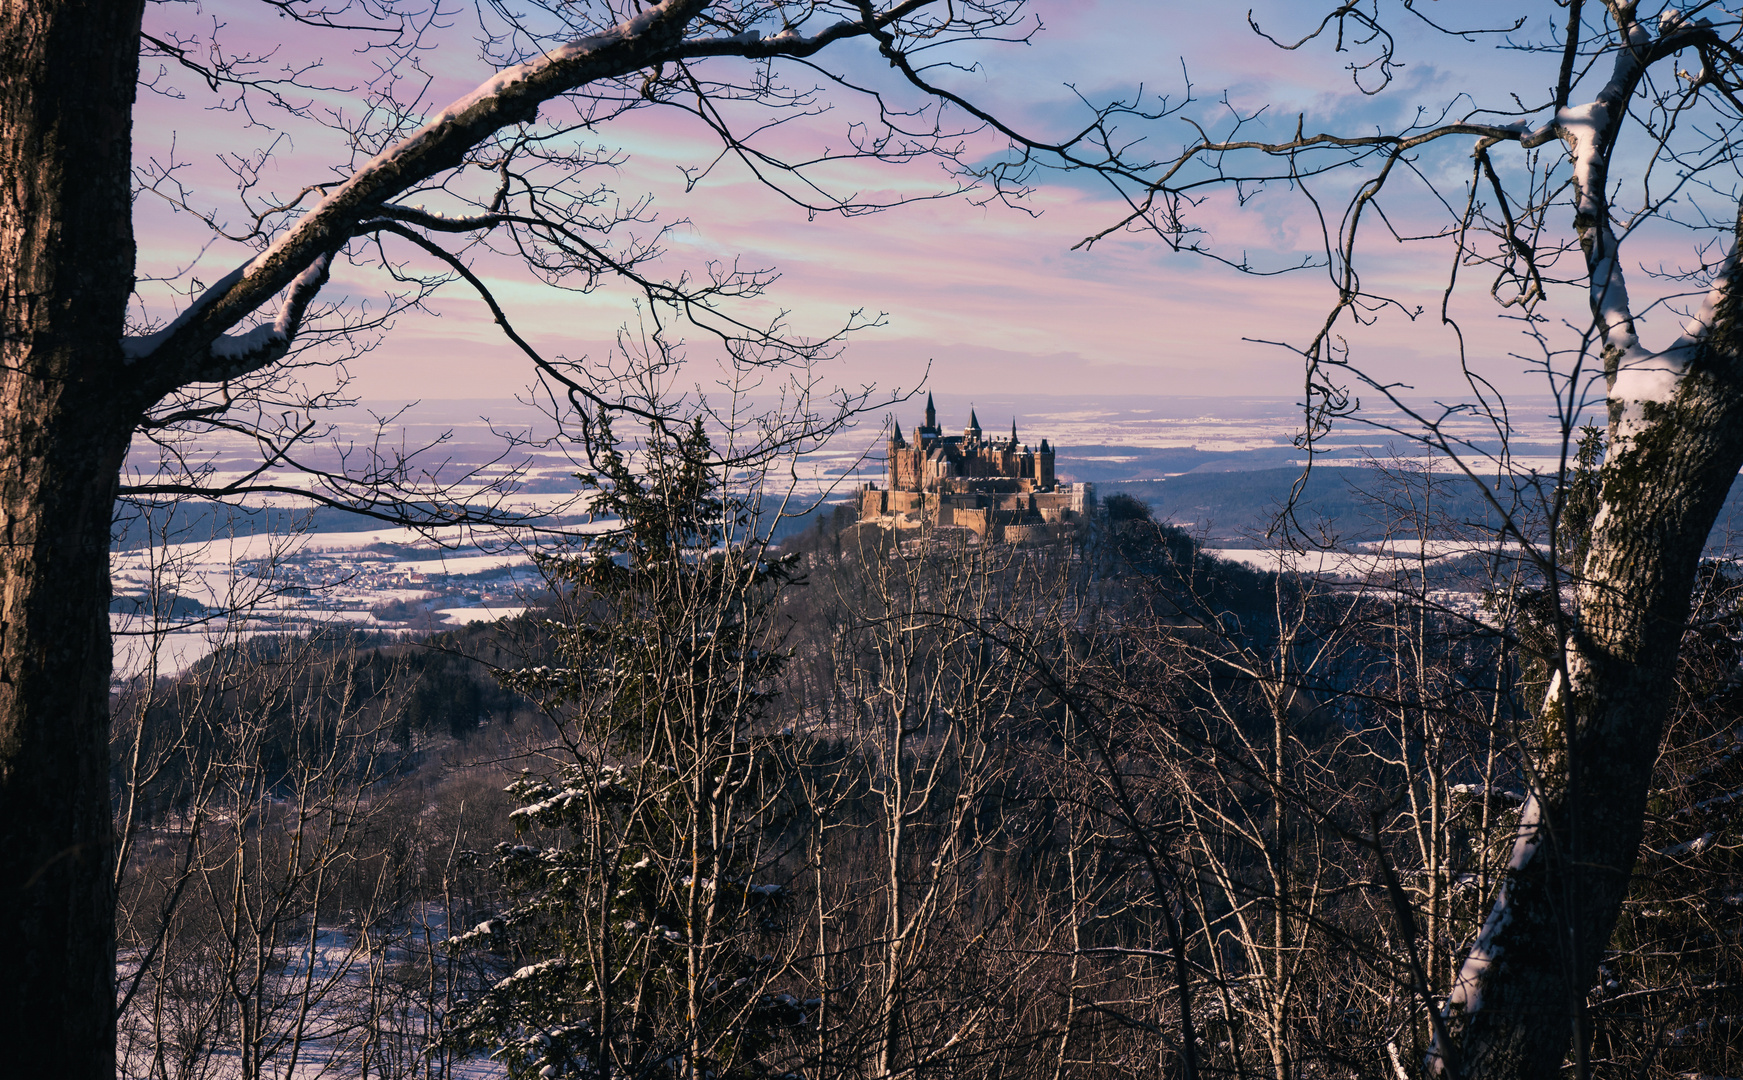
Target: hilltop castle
[(999, 488)]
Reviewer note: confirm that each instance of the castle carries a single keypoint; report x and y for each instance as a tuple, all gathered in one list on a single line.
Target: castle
[(1000, 489)]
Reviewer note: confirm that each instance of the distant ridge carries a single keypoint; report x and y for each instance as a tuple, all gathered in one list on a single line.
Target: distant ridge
[(1224, 505)]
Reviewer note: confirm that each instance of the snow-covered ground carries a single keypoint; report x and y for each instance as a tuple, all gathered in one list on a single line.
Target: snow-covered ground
[(469, 450), (258, 582), (330, 999), (241, 586), (1373, 561)]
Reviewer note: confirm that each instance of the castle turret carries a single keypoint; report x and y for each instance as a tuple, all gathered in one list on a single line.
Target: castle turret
[(1013, 432), (973, 429), (896, 440), (928, 432)]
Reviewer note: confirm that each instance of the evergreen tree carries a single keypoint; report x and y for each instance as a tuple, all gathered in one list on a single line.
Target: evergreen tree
[(647, 925)]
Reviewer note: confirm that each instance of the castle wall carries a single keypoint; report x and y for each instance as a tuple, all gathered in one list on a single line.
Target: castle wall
[(1012, 517), (1042, 533), (904, 502), (1082, 497), (999, 485), (906, 469), (964, 518)]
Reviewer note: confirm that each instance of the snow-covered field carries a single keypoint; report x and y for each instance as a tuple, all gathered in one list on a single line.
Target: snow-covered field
[(1364, 561), (240, 586), (262, 582)]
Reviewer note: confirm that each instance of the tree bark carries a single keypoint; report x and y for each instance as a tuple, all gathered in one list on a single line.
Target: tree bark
[(68, 70)]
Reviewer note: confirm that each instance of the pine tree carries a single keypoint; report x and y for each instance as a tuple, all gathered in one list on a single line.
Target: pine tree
[(648, 925)]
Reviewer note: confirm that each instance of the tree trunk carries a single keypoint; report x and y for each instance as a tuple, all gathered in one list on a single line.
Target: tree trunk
[(1520, 995), (67, 77)]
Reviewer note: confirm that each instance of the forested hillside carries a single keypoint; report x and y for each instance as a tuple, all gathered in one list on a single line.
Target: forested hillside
[(890, 804)]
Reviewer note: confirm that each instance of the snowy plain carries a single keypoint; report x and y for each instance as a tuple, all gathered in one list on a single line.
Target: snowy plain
[(258, 576)]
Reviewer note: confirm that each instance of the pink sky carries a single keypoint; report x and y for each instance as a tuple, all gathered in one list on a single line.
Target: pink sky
[(989, 295)]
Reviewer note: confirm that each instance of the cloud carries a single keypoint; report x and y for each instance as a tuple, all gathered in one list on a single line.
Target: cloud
[(991, 294)]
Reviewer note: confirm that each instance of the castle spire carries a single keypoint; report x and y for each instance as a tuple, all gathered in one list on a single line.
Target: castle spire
[(931, 413), (1013, 431), (973, 423), (896, 440)]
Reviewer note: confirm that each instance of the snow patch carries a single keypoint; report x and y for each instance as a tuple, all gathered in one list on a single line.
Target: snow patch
[(1583, 126), (1689, 847), (251, 343), (1467, 991), (1643, 376), (1489, 791), (137, 348), (264, 340)]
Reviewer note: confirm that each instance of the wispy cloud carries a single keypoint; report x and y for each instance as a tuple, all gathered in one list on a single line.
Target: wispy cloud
[(984, 292)]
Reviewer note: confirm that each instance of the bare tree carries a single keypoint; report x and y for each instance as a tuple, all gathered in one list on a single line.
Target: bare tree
[(939, 921), (1642, 110), (259, 879)]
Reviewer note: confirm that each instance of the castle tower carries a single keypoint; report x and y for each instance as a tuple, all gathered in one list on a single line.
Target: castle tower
[(972, 432), (904, 461), (928, 431)]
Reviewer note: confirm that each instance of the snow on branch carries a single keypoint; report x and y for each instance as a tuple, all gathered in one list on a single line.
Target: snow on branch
[(231, 355), (1465, 999), (1636, 374), (1466, 996), (1645, 376), (510, 96)]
